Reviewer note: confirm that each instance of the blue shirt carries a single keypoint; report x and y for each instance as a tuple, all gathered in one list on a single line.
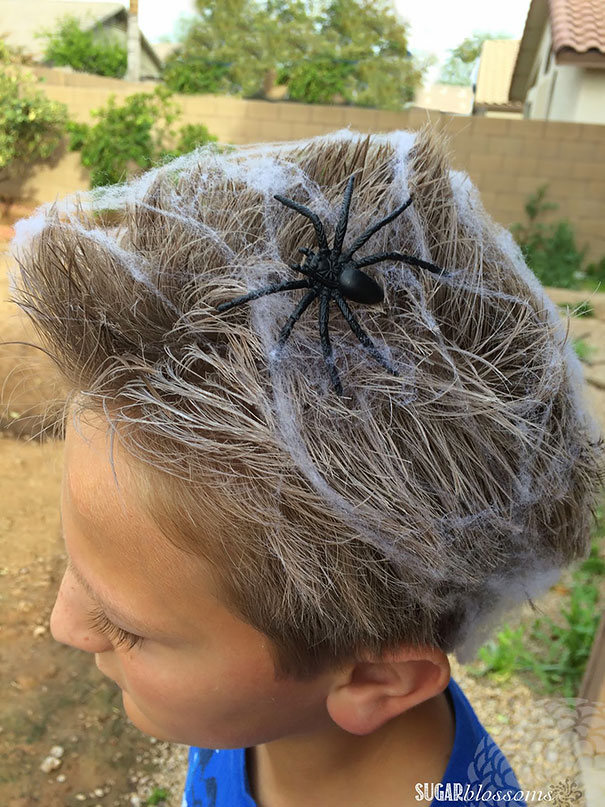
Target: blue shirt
[(476, 766)]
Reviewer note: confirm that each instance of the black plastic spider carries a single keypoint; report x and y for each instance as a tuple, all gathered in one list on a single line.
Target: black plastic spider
[(334, 275)]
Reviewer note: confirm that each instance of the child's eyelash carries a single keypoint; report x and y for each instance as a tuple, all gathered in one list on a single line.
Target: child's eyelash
[(98, 621)]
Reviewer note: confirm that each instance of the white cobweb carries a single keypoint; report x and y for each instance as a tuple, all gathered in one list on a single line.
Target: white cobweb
[(266, 169)]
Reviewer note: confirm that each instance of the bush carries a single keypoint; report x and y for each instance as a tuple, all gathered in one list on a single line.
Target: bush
[(317, 81), (196, 75), (550, 250), (595, 272), (134, 136), (90, 51), (554, 656), (31, 125)]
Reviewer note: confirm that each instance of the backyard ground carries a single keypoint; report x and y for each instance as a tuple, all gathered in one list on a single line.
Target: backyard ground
[(56, 704)]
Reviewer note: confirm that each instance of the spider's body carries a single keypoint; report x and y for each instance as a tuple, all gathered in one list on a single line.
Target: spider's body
[(330, 275)]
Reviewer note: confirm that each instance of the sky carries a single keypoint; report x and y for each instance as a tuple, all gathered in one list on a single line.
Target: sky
[(433, 29)]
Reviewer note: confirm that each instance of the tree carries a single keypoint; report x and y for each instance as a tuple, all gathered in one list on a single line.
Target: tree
[(31, 125), (353, 50), (134, 136), (458, 69), (89, 51)]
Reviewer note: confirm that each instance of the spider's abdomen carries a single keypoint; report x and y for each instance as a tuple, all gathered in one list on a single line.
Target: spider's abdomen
[(356, 285)]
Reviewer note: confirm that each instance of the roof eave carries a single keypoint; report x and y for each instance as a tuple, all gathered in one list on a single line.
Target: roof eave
[(537, 19), (122, 14), (487, 106), (589, 58)]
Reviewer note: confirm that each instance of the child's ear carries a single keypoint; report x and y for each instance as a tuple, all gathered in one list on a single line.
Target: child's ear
[(371, 693)]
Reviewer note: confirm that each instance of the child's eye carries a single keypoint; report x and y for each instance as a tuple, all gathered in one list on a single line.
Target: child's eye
[(98, 621)]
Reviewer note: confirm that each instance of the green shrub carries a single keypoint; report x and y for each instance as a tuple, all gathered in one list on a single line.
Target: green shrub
[(317, 81), (583, 309), (31, 125), (190, 136), (89, 51), (550, 249), (554, 656), (196, 75), (584, 350), (134, 136), (158, 796), (596, 271)]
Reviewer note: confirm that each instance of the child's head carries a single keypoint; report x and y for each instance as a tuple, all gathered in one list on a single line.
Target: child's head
[(411, 510)]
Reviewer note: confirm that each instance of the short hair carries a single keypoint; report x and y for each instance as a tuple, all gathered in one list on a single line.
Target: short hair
[(414, 509)]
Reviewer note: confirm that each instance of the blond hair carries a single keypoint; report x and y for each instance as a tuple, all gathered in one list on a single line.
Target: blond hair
[(415, 508)]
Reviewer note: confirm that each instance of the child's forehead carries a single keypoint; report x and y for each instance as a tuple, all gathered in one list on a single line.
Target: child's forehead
[(103, 501), (96, 476)]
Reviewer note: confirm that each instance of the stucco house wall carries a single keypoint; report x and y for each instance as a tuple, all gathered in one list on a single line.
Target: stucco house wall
[(563, 92)]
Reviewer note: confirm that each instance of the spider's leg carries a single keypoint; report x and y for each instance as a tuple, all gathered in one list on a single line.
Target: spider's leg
[(324, 310), (298, 268), (399, 256), (321, 236), (254, 295), (359, 242), (294, 317), (341, 227), (361, 334)]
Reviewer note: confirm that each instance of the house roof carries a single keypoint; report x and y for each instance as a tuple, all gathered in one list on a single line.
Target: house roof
[(21, 20), (578, 37), (496, 65), (577, 25)]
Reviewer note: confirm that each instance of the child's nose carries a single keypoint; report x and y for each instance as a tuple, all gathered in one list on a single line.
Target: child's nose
[(68, 623)]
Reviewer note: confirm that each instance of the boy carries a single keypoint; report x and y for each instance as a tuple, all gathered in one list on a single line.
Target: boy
[(294, 484)]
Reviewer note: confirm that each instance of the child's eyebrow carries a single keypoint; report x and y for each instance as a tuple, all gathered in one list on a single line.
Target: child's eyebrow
[(111, 612)]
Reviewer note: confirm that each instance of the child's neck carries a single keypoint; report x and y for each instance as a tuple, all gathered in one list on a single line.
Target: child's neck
[(335, 768)]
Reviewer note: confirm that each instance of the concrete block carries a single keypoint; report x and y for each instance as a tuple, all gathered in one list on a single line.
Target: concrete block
[(579, 150), (295, 112), (554, 130), (333, 115), (485, 163), (540, 149), (507, 146), (527, 129)]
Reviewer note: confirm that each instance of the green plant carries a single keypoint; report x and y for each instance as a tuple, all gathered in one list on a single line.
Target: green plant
[(133, 136), (190, 136), (196, 74), (550, 249), (90, 51), (503, 655), (319, 80), (583, 309), (158, 795), (584, 351), (595, 271), (31, 125), (553, 655), (357, 49)]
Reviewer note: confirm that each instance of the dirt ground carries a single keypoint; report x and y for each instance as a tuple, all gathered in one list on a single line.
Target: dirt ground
[(53, 695)]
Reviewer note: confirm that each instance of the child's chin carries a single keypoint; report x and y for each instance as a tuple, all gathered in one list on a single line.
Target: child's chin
[(143, 723)]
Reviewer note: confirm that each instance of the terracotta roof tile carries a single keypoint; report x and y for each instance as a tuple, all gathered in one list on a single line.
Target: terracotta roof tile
[(578, 24)]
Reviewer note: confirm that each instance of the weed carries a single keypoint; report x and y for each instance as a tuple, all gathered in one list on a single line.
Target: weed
[(584, 351), (552, 655), (158, 795), (583, 309)]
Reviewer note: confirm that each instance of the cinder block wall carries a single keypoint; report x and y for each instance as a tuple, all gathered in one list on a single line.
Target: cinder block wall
[(506, 159)]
